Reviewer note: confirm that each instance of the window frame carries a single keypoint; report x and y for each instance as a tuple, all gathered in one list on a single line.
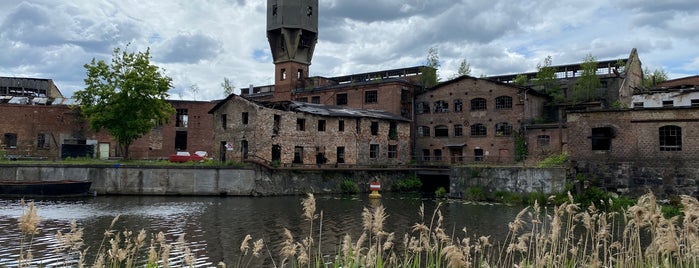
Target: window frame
[(373, 151), (441, 131), (503, 102), (479, 104), (503, 129), (339, 100), (670, 138), (371, 96), (479, 130)]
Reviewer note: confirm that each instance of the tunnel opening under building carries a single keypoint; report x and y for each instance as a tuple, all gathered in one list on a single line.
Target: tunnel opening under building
[(432, 182)]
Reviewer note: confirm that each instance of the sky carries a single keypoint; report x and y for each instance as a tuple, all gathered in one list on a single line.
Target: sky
[(198, 43)]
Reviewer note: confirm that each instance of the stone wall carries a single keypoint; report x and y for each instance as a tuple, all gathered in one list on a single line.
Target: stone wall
[(514, 179)]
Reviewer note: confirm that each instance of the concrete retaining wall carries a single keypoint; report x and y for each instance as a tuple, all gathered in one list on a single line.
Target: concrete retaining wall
[(515, 179)]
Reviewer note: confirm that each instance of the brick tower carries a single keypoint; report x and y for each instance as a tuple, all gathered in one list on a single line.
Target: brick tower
[(292, 32)]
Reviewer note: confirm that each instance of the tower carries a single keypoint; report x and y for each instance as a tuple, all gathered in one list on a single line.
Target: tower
[(292, 32)]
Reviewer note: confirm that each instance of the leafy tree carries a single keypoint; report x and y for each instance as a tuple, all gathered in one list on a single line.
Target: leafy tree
[(521, 80), (227, 86), (126, 97), (588, 82), (545, 80), (652, 79), (464, 69), (429, 76)]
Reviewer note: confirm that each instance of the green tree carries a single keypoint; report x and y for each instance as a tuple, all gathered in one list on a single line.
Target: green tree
[(127, 98), (521, 80), (227, 86), (546, 82), (651, 79), (429, 76), (464, 69), (588, 82)]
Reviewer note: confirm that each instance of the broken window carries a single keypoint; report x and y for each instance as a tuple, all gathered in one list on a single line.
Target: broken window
[(315, 99), (299, 74), (224, 121), (42, 141), (341, 99), (478, 130), (374, 128), (458, 105), (277, 122), (423, 108), (503, 102), (182, 118), (393, 131), (638, 104), (341, 125), (371, 96), (358, 125), (602, 138), (392, 151), (695, 102), (503, 129), (441, 131), (670, 138), (373, 150), (668, 103), (283, 74), (458, 130), (180, 140), (437, 155), (321, 125), (320, 155), (478, 104), (244, 118), (300, 124), (298, 155), (423, 131), (441, 106), (426, 154), (340, 154), (10, 140)]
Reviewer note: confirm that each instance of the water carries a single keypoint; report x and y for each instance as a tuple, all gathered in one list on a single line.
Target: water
[(214, 227)]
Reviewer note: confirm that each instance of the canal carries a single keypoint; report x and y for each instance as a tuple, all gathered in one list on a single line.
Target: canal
[(214, 227)]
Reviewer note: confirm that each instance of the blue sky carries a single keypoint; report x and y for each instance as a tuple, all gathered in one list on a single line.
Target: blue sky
[(201, 42)]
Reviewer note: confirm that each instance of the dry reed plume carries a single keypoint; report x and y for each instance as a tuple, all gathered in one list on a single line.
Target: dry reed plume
[(561, 236)]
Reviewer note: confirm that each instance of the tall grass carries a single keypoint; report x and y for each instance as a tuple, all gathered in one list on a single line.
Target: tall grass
[(565, 235)]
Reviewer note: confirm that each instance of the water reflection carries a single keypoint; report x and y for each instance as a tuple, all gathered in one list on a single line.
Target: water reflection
[(215, 226)]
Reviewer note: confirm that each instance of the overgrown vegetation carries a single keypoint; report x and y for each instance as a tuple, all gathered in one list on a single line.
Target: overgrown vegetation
[(475, 194), (567, 235), (554, 160), (349, 186), (441, 192), (521, 151), (407, 184)]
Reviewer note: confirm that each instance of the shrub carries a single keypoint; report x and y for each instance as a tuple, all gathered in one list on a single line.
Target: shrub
[(554, 160), (408, 184), (536, 197), (348, 186), (475, 194), (508, 197), (440, 192)]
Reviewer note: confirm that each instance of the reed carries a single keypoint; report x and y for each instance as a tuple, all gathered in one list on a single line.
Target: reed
[(565, 235)]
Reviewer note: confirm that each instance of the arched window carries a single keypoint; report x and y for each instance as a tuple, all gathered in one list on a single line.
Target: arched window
[(503, 129), (503, 102), (441, 131), (478, 104), (670, 138), (478, 130)]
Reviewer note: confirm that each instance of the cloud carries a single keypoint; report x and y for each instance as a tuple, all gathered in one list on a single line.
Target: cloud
[(189, 48)]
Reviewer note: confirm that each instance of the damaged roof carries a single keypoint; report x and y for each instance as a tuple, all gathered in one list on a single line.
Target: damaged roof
[(337, 111)]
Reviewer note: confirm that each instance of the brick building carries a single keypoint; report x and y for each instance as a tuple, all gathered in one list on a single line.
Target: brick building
[(299, 134), (472, 120), (56, 131)]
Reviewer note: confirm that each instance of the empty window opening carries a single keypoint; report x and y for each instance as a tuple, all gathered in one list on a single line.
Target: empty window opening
[(224, 121), (341, 125), (393, 131), (298, 155), (320, 155), (300, 124), (182, 118), (244, 118), (392, 151), (670, 138), (423, 108), (371, 96), (340, 154), (321, 125), (303, 99), (441, 131), (602, 138), (42, 141), (341, 99), (181, 140), (10, 140), (283, 74), (437, 154), (478, 130), (441, 106), (478, 104), (668, 103), (315, 99), (503, 102), (373, 150), (503, 129), (425, 154), (299, 74), (695, 102), (358, 125), (374, 128), (276, 125), (638, 104), (477, 154), (276, 153)]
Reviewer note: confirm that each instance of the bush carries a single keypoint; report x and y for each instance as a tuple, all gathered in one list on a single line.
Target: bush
[(348, 186), (440, 192), (554, 160), (475, 194), (536, 197), (508, 197), (408, 184)]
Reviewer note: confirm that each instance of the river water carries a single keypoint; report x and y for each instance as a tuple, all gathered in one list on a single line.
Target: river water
[(214, 227)]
